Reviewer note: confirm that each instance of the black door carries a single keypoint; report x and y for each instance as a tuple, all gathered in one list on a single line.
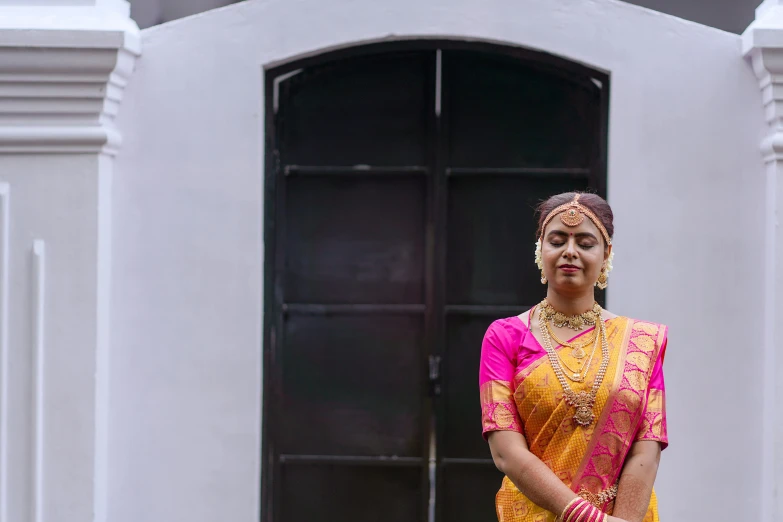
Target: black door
[(401, 182)]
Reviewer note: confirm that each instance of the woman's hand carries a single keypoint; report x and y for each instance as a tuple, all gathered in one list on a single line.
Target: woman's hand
[(530, 475), (610, 518), (636, 481)]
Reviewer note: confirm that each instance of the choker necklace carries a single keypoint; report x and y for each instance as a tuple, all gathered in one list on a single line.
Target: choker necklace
[(574, 322)]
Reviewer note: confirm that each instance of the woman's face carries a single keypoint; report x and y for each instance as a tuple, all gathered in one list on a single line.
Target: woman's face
[(573, 256)]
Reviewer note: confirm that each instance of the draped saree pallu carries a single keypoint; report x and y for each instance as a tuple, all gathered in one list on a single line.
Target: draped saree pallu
[(520, 392)]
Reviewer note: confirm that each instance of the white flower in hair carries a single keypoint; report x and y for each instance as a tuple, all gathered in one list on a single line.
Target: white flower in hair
[(609, 261), (539, 256)]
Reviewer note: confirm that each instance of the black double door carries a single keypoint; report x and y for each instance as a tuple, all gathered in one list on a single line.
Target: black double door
[(401, 186)]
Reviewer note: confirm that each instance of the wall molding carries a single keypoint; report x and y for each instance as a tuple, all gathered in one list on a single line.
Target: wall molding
[(38, 377), (5, 283)]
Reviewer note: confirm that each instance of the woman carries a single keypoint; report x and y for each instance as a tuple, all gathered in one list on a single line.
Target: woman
[(572, 395)]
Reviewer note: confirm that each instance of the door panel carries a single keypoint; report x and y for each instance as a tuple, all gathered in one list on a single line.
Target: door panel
[(350, 434), (462, 429), (517, 133), (340, 493), (369, 110), (507, 114), (355, 239), (468, 492), (353, 385), (396, 233), (491, 235)]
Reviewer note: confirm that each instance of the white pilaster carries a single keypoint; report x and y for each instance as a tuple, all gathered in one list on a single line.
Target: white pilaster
[(762, 44), (64, 65)]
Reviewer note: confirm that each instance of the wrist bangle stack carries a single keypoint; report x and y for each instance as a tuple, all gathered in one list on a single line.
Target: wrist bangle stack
[(580, 510)]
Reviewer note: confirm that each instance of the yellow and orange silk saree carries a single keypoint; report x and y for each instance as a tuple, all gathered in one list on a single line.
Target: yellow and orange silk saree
[(520, 392)]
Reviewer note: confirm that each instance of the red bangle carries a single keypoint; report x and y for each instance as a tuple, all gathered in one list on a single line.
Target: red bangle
[(579, 514), (580, 510), (568, 511)]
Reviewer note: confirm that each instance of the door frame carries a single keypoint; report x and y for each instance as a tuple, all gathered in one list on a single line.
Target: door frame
[(553, 64)]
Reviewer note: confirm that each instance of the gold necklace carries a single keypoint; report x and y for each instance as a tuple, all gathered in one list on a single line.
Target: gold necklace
[(577, 347), (574, 322), (577, 376), (583, 401)]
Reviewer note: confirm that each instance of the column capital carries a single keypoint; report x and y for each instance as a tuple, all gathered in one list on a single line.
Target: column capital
[(64, 65), (762, 44)]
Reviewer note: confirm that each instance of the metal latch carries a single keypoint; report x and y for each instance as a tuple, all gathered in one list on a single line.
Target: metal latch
[(435, 375)]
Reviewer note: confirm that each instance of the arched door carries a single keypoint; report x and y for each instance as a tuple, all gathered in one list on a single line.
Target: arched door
[(401, 183)]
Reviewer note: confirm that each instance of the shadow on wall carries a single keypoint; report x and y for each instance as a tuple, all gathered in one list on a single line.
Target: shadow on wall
[(733, 16), (147, 13)]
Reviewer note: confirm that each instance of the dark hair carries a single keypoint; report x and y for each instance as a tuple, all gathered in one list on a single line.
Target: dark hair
[(596, 203)]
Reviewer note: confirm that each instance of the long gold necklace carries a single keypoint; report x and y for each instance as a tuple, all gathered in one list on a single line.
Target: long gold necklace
[(576, 375), (578, 346), (582, 401), (574, 322)]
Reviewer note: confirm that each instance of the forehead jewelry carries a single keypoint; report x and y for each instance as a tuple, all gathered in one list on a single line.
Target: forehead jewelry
[(572, 214)]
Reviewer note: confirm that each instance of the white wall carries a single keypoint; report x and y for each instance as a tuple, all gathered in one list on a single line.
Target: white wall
[(685, 181), (729, 15)]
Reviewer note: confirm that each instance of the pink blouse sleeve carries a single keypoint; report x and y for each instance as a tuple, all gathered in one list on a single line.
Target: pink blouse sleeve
[(653, 424), (496, 374)]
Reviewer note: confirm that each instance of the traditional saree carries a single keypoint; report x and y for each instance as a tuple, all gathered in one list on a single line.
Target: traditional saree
[(520, 392)]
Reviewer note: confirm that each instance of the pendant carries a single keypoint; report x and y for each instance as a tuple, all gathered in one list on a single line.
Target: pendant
[(583, 403), (584, 416), (576, 377), (578, 352)]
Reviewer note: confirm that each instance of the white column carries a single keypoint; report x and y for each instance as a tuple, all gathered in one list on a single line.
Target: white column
[(763, 45), (64, 65)]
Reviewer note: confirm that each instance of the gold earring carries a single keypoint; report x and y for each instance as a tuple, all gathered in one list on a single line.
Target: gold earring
[(603, 280), (543, 278)]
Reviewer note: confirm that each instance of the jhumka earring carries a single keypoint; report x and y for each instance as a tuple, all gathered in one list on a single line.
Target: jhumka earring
[(603, 279), (543, 278)]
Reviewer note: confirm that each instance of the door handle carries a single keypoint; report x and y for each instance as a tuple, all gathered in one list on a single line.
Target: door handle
[(434, 379)]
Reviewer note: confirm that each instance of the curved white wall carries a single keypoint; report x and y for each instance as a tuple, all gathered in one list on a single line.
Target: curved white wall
[(685, 179), (729, 15)]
